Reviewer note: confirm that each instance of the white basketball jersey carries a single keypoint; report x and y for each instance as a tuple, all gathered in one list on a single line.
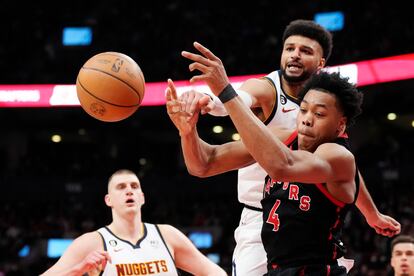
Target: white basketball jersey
[(150, 256), (251, 178)]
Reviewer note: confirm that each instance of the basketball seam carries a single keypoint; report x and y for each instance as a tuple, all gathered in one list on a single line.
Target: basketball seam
[(116, 55), (87, 91), (94, 69)]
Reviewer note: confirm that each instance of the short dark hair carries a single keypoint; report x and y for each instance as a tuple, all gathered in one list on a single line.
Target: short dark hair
[(348, 96), (312, 30), (120, 171), (401, 239)]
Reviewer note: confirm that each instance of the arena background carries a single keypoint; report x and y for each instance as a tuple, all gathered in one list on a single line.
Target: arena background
[(55, 190)]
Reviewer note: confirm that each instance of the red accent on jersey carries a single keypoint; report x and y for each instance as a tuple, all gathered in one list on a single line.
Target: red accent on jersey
[(290, 139), (273, 218), (293, 192), (304, 203), (287, 110), (329, 196)]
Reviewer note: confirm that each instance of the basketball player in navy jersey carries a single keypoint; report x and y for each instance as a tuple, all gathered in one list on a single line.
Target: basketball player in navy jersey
[(129, 246), (312, 184), (307, 47)]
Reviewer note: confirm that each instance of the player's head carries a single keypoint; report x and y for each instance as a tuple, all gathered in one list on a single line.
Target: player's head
[(124, 192), (306, 49), (328, 104), (402, 255)]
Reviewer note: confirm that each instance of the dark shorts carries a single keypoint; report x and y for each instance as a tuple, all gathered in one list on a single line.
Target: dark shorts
[(309, 270)]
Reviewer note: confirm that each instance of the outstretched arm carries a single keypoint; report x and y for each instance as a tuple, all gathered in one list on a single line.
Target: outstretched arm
[(186, 256), (330, 163), (84, 255), (383, 224), (201, 158)]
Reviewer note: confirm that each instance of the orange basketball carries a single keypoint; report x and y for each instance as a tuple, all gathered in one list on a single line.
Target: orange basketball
[(110, 86)]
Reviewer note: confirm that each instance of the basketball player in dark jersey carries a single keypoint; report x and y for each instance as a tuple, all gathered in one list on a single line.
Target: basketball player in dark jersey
[(306, 49), (313, 186)]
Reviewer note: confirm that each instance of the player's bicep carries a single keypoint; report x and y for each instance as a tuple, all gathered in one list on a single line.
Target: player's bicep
[(329, 163), (186, 256), (75, 253), (258, 90)]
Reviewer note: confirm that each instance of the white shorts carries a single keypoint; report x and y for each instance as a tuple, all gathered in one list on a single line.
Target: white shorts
[(249, 256)]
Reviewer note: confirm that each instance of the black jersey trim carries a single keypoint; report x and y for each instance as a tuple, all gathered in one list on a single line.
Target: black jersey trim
[(103, 241), (166, 246), (274, 109), (138, 244), (253, 208)]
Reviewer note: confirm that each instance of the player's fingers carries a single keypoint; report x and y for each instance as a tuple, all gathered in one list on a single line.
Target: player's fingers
[(103, 264), (192, 101), (173, 107), (195, 57), (184, 98), (198, 78), (168, 94), (198, 66), (206, 52), (172, 88), (204, 101), (107, 257)]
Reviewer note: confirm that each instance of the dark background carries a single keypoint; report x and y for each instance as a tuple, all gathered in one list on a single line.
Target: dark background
[(56, 189)]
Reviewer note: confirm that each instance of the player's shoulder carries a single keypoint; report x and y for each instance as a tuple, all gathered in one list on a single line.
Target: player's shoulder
[(335, 152), (167, 228), (87, 242), (170, 233)]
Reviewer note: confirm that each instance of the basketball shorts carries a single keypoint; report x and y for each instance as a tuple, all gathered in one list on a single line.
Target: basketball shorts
[(249, 256)]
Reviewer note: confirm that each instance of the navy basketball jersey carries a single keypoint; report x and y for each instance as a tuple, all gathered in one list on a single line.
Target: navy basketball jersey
[(302, 222)]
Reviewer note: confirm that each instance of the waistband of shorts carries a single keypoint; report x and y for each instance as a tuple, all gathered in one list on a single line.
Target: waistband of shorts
[(253, 208)]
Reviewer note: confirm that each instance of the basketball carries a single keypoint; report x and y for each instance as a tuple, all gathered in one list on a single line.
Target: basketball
[(110, 86)]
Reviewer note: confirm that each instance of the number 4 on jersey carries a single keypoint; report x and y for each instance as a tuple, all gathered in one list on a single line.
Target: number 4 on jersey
[(273, 218)]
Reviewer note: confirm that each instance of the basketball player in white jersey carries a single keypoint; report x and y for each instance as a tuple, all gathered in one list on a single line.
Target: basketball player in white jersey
[(306, 48), (129, 246)]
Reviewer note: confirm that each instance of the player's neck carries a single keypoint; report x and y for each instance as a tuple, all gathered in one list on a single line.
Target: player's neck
[(290, 88), (127, 227)]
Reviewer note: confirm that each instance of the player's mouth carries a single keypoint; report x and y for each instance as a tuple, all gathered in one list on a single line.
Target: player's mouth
[(306, 133), (294, 66), (130, 201)]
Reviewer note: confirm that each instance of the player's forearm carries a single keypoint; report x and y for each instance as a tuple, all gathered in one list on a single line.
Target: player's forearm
[(219, 108), (364, 201), (75, 271), (262, 144), (196, 154)]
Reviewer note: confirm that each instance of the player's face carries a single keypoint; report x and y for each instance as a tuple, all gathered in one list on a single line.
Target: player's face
[(319, 120), (124, 192), (301, 57), (402, 259)]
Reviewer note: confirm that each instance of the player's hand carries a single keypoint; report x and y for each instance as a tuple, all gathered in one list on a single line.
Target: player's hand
[(385, 225), (194, 100), (210, 66), (94, 262), (184, 121)]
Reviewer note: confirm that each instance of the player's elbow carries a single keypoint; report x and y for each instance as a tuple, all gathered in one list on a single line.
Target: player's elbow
[(199, 172), (278, 170)]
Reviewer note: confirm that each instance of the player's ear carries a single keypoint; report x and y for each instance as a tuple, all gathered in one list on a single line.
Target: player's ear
[(341, 126), (143, 198), (108, 200), (322, 63)]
